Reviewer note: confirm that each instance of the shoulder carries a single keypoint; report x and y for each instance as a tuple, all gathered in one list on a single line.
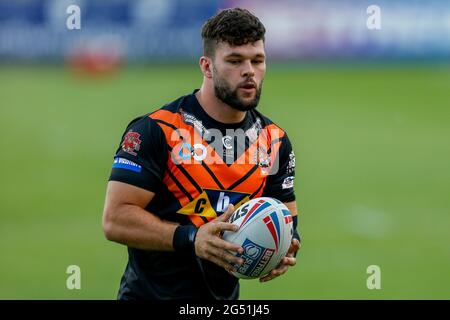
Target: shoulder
[(167, 112), (141, 126), (151, 121), (268, 125)]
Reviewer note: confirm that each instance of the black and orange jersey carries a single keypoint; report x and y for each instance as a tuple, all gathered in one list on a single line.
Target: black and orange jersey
[(197, 166)]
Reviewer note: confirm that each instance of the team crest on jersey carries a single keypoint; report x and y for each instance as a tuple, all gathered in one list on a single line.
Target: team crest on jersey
[(212, 203), (262, 159), (131, 142)]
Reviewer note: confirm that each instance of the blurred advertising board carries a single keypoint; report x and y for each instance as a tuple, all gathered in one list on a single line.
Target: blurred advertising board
[(170, 29)]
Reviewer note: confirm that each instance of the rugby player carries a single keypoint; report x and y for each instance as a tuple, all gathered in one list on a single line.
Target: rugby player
[(180, 171)]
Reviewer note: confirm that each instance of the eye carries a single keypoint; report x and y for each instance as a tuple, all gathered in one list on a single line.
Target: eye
[(234, 62), (257, 61)]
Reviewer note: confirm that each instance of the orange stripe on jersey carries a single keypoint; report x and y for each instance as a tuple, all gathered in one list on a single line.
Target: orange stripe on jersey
[(253, 158), (269, 134), (258, 193), (178, 176), (194, 165), (202, 178), (172, 138), (175, 120), (167, 116), (210, 219), (177, 190), (197, 221)]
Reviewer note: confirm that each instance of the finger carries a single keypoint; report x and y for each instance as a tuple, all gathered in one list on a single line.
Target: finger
[(224, 226), (274, 274), (221, 263), (231, 274), (227, 214), (279, 270), (225, 245), (295, 245), (230, 209), (267, 278), (226, 257), (289, 261)]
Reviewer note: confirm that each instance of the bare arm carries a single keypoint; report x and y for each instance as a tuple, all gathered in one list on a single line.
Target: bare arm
[(292, 206), (127, 222)]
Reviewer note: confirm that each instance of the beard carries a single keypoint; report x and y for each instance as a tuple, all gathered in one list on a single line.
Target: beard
[(226, 94)]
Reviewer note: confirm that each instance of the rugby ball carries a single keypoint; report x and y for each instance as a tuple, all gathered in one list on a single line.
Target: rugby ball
[(265, 233)]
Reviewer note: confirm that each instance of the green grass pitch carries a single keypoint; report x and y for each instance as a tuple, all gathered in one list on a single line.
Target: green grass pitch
[(373, 177)]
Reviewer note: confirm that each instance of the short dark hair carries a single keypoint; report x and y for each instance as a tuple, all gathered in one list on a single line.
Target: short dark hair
[(235, 26)]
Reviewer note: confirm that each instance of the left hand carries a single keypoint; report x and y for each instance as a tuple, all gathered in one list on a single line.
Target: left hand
[(286, 262)]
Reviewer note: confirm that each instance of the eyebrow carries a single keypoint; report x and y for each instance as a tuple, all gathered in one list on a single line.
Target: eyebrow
[(238, 55)]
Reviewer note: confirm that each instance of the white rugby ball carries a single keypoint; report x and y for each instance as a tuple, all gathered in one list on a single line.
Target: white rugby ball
[(265, 233)]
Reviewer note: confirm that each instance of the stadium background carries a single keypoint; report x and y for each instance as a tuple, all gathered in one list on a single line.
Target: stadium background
[(367, 111)]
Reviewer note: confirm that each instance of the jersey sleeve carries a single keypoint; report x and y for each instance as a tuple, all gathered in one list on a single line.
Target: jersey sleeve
[(280, 184), (141, 156)]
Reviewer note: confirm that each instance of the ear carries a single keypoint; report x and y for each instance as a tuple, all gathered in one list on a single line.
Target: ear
[(206, 66)]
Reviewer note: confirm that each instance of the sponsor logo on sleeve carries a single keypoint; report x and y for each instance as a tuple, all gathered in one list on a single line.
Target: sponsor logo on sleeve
[(288, 183), (122, 163)]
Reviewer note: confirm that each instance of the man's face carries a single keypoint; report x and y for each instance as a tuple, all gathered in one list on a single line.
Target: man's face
[(238, 74)]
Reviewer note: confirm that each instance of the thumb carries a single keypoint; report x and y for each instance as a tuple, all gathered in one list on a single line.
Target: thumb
[(226, 215), (295, 245)]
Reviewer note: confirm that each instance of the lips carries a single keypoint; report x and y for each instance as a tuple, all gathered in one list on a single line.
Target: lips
[(248, 85)]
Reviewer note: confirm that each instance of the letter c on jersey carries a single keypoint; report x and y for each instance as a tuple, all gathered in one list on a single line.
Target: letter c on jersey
[(200, 205)]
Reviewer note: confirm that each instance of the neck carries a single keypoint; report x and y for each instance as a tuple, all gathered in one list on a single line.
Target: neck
[(217, 109)]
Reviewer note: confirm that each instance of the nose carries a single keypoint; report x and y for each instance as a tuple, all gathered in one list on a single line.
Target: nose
[(247, 69)]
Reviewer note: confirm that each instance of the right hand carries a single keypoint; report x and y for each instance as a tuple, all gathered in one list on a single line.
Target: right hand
[(210, 246)]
